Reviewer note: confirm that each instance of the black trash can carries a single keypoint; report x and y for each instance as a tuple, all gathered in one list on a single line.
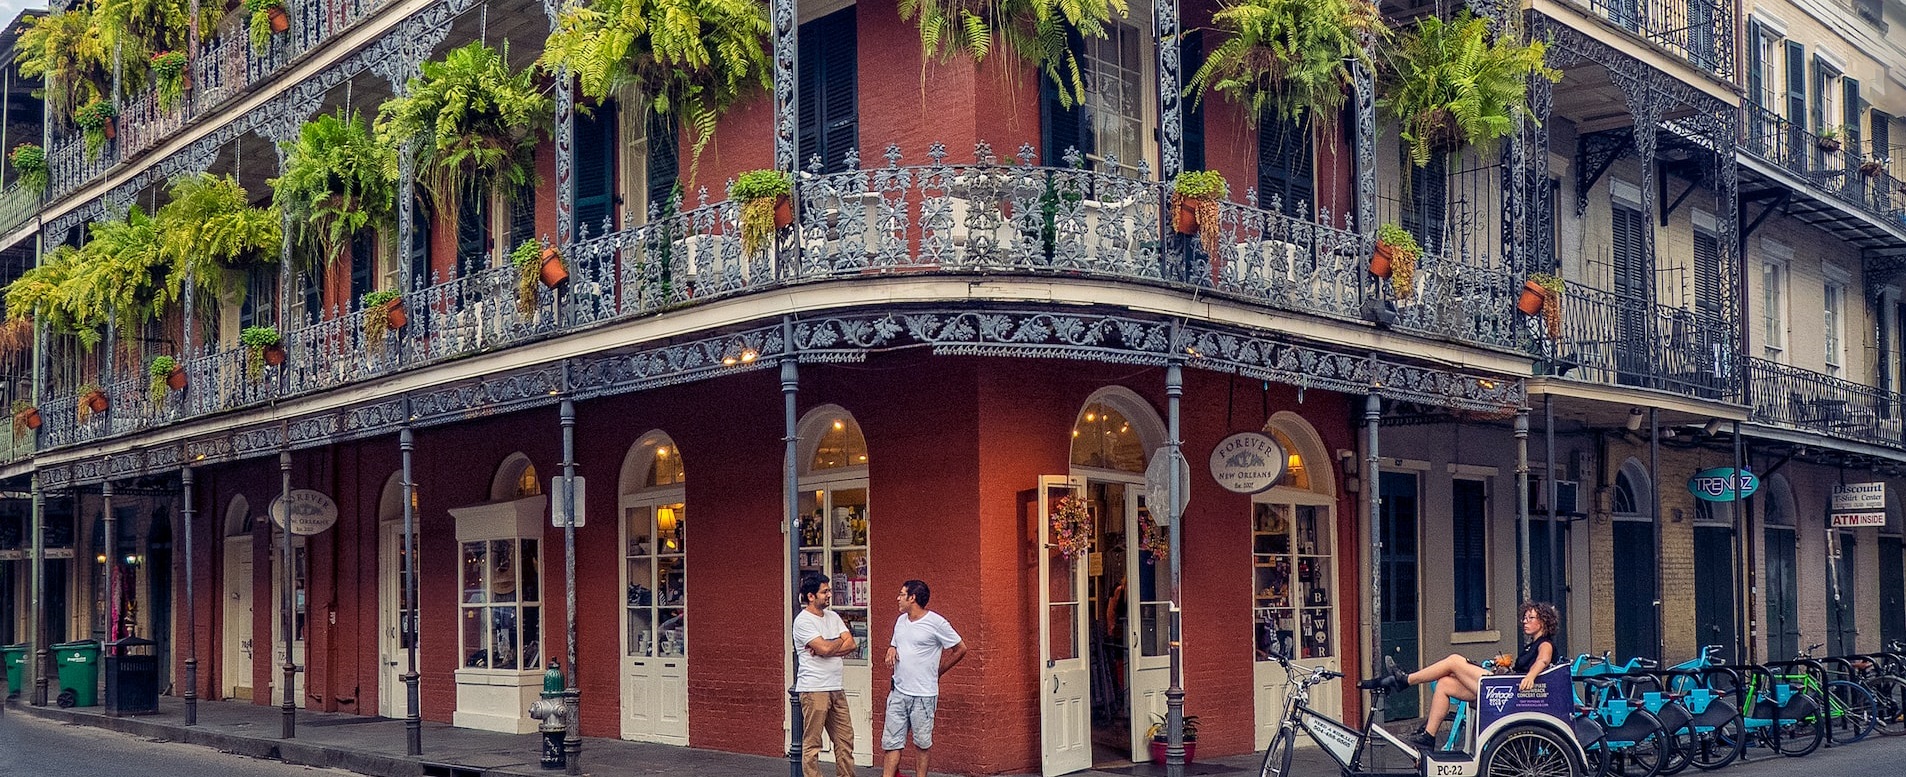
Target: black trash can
[(132, 677)]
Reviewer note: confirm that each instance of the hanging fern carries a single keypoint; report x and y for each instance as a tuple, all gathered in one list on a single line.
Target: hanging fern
[(1290, 58), (337, 180), (1451, 84), (476, 122), (690, 58), (1038, 31), (211, 227)]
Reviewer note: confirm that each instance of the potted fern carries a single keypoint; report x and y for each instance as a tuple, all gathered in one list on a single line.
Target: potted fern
[(1159, 741), (1395, 258), (1194, 205), (1454, 84), (1290, 58), (210, 227), (338, 180), (167, 374), (92, 399), (1542, 293), (1037, 31), (263, 346), (29, 161), (535, 264), (693, 59), (25, 416), (168, 69), (268, 18), (766, 206), (1829, 139), (383, 311), (96, 120)]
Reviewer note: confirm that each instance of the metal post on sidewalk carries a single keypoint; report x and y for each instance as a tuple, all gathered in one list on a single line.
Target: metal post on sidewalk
[(40, 652), (1372, 416), (186, 516), (1175, 689), (572, 694), (286, 578), (790, 384), (1523, 570), (407, 618)]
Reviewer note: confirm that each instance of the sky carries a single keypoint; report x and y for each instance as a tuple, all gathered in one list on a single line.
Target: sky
[(12, 8)]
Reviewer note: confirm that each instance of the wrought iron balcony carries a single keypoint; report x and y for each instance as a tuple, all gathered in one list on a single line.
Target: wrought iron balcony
[(1619, 340), (1822, 404), (980, 219), (1830, 166), (17, 204), (226, 67), (1698, 31)]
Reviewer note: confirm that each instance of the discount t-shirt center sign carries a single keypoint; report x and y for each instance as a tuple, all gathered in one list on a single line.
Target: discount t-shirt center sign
[(1858, 505)]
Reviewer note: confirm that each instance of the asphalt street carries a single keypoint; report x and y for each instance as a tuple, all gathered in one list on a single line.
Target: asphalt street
[(31, 747)]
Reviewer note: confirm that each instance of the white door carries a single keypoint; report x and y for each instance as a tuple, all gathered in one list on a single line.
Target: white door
[(396, 624), (235, 662), (1065, 715), (654, 633), (1147, 620)]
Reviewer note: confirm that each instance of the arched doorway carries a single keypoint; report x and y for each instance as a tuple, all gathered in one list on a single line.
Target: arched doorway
[(397, 610), (1634, 563), (654, 534), (1783, 599), (1295, 608), (1128, 582), (836, 534), (235, 659)]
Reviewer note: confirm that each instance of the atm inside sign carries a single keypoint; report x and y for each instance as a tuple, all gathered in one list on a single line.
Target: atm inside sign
[(1858, 520)]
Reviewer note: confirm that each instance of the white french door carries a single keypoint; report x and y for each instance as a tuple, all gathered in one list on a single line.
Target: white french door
[(654, 617), (1147, 620), (235, 660), (1065, 693), (396, 623)]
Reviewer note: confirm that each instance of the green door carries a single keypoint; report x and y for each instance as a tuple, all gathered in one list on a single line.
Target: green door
[(1634, 557), (1714, 589), (1892, 564), (1783, 612), (1398, 515)]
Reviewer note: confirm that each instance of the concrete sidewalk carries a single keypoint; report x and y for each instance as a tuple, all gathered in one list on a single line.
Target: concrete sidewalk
[(375, 746)]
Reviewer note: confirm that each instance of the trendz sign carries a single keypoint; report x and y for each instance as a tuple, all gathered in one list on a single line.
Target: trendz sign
[(1722, 484)]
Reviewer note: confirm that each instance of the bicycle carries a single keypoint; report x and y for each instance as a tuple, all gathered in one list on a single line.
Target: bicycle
[(1713, 736), (1849, 705), (1635, 742), (1781, 717), (1880, 674), (1521, 734)]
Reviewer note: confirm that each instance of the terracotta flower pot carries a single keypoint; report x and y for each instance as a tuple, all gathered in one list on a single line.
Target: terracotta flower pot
[(31, 418), (554, 272), (1530, 303), (275, 354), (1184, 215), (108, 129), (1158, 751), (394, 313), (1870, 169), (279, 21), (175, 379), (783, 212), (1829, 145), (97, 401), (1381, 261)]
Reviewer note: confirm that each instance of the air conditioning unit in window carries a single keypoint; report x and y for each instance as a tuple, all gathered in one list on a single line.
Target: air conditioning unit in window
[(1567, 498)]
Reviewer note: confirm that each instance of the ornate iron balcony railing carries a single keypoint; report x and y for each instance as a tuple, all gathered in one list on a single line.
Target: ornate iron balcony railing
[(17, 204), (1620, 340), (1699, 31), (1833, 166), (226, 67), (980, 219), (1823, 404)]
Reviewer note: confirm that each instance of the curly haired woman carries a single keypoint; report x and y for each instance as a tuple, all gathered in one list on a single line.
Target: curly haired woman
[(1457, 678)]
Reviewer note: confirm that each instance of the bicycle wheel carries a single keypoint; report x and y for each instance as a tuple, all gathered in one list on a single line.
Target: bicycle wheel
[(1851, 711), (1277, 757), (1527, 751), (1722, 744), (1650, 751), (1676, 718), (1889, 704), (1797, 731)]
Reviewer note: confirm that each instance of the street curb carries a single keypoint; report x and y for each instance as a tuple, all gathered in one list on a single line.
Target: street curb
[(288, 751)]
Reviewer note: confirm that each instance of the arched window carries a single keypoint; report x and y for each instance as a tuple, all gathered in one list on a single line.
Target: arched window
[(238, 518), (1293, 544), (515, 479), (1624, 502), (1116, 430), (655, 554), (835, 517)]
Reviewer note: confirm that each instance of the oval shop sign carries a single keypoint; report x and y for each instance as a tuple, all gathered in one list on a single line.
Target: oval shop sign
[(1721, 484), (311, 512), (1247, 462)]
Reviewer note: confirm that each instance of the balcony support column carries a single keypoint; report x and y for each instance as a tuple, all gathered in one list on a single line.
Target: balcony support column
[(1523, 573), (784, 15), (1171, 151), (790, 492), (1175, 689), (288, 725), (1373, 516), (407, 621), (42, 656), (186, 516)]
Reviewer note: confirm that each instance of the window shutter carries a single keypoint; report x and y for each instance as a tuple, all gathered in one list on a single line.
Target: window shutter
[(1882, 134), (1190, 58), (664, 135), (1062, 129), (1284, 164), (1630, 277), (1707, 272), (829, 119), (1796, 84), (1469, 555), (1756, 79), (595, 170), (419, 251), (363, 265), (1850, 93), (473, 231), (1819, 96)]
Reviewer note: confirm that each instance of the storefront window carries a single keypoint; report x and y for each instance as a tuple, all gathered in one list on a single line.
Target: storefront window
[(501, 606), (834, 521), (1105, 439), (658, 580), (1291, 547)]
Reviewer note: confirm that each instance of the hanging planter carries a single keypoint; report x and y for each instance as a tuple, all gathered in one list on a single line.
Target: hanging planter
[(92, 399), (168, 70), (1542, 294), (263, 346), (1395, 258), (29, 161), (535, 264), (268, 18), (1194, 206), (1874, 166), (26, 417), (167, 375), (766, 206), (383, 311), (553, 272), (1829, 140), (95, 120)]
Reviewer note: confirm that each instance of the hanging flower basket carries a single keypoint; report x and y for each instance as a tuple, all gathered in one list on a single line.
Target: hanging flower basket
[(553, 272), (26, 417), (1530, 303), (1153, 538), (1194, 206), (275, 355), (1872, 167), (1071, 531), (766, 207)]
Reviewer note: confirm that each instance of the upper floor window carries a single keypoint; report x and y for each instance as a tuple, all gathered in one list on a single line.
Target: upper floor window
[(1773, 309), (1832, 322), (1112, 121), (829, 99)]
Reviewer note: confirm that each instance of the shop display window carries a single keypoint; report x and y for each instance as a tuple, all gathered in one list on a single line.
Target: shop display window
[(501, 607), (657, 559), (834, 526), (1291, 570)]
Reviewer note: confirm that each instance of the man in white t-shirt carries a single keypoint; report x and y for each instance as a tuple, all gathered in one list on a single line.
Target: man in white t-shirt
[(820, 639), (924, 647)]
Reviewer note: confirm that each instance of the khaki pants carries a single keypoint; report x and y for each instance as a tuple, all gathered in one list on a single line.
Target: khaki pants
[(826, 709)]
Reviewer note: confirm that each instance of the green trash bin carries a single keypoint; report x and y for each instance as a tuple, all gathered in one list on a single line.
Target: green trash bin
[(79, 673), (14, 656)]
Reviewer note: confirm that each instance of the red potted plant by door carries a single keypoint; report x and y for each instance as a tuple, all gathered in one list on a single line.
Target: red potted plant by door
[(1159, 741)]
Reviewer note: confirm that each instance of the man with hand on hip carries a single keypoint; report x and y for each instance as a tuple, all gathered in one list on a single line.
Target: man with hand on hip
[(821, 639), (924, 647)]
